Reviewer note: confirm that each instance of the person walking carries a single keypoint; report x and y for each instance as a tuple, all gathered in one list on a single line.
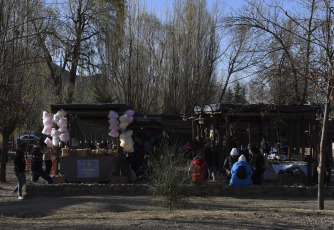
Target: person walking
[(36, 165), (241, 173), (19, 170)]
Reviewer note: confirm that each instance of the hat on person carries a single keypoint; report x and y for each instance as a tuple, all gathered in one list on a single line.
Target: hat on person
[(234, 152), (242, 158), (199, 154)]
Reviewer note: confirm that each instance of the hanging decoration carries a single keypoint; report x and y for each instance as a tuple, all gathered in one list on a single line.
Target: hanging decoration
[(51, 123), (121, 124)]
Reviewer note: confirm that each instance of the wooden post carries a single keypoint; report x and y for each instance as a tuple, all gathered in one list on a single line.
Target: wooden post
[(192, 130), (290, 138), (261, 131), (302, 154), (198, 133), (309, 170), (57, 160), (227, 136), (118, 157), (249, 133)]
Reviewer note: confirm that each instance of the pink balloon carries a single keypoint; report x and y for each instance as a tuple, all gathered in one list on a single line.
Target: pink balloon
[(112, 114), (48, 142), (47, 122), (129, 120), (129, 113), (46, 130), (114, 133)]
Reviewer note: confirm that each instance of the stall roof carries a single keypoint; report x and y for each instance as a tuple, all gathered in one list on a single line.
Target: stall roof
[(256, 109), (89, 110)]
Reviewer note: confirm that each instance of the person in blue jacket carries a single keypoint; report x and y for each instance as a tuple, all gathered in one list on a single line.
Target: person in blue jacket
[(246, 179)]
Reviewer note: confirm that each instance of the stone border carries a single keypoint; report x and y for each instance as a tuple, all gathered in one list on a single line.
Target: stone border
[(76, 189)]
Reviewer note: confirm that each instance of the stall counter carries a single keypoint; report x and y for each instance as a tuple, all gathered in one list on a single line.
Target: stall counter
[(87, 168)]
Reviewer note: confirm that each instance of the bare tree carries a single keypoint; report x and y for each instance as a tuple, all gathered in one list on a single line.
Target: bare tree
[(296, 38), (70, 41), (18, 58), (193, 47)]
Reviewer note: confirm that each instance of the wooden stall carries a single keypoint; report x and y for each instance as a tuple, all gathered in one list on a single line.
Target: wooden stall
[(88, 123), (91, 155), (280, 129)]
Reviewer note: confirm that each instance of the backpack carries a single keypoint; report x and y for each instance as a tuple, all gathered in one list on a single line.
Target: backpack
[(242, 172), (198, 174)]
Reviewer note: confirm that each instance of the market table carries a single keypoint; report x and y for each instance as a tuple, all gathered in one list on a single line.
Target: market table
[(87, 168), (274, 167)]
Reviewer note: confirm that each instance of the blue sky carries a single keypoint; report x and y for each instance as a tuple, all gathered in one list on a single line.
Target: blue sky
[(159, 6)]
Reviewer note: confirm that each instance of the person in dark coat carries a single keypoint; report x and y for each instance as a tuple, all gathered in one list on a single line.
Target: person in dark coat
[(36, 165), (257, 164), (229, 162), (19, 170)]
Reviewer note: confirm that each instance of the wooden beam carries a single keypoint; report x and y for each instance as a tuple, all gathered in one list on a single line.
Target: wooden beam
[(290, 138), (302, 130)]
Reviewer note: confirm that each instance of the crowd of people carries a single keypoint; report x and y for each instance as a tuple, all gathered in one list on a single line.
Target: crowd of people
[(238, 169)]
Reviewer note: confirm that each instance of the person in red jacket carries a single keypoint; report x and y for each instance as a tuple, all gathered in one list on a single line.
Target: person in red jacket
[(199, 170)]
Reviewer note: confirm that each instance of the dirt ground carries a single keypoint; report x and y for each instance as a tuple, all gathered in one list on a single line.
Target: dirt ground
[(143, 212)]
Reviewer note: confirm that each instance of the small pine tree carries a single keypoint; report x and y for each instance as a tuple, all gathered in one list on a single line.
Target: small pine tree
[(170, 179)]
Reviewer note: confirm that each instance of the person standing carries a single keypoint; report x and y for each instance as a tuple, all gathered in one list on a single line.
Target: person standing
[(241, 173), (47, 158), (36, 165), (19, 170), (257, 164)]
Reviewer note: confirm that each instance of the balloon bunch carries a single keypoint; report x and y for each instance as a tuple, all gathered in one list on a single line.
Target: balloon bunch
[(60, 134), (113, 121), (121, 124)]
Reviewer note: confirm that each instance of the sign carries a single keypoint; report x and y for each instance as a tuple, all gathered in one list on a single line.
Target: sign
[(88, 168)]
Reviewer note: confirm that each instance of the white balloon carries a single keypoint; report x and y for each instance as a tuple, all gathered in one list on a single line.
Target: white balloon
[(128, 133), (62, 113), (123, 118), (122, 137), (123, 125), (128, 148), (55, 141)]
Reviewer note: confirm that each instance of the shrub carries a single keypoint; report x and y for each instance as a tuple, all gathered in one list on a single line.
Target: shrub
[(169, 177)]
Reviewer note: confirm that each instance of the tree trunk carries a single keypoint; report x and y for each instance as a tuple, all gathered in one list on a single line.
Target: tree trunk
[(322, 157), (4, 157)]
